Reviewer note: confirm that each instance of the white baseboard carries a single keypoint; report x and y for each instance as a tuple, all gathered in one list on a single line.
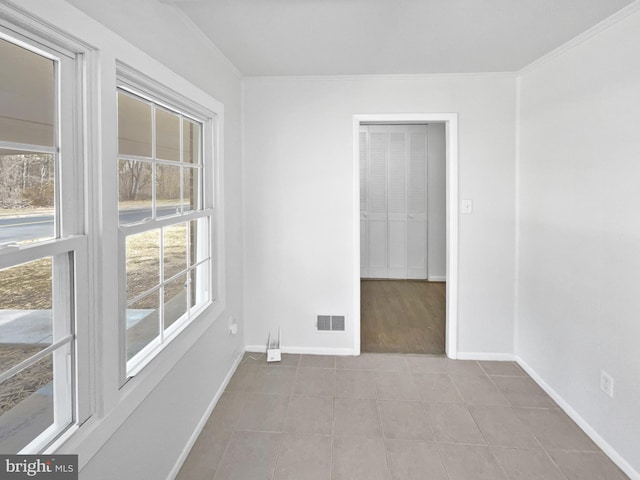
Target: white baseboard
[(303, 350), (631, 472), (203, 421), (437, 278), (500, 357)]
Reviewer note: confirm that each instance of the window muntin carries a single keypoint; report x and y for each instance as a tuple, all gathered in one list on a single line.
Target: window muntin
[(164, 223), (160, 160), (37, 256)]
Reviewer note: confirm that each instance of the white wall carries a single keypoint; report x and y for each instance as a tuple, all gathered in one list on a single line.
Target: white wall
[(140, 430), (437, 201), (299, 189), (579, 260)]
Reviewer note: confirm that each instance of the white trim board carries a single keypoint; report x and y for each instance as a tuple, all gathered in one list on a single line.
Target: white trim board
[(203, 421), (370, 76), (304, 350), (581, 422), (487, 356), (437, 278), (451, 122)]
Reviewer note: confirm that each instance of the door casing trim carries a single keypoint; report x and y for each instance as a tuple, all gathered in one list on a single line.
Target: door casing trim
[(451, 126)]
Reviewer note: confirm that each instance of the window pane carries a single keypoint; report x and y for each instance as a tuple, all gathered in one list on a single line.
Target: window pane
[(200, 291), (134, 126), (25, 311), (167, 135), (198, 240), (134, 191), (191, 189), (26, 405), (175, 300), (27, 104), (190, 142), (143, 263), (175, 249), (27, 196), (167, 190), (142, 323)]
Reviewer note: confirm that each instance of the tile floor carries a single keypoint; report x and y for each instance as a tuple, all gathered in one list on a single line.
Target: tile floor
[(400, 417)]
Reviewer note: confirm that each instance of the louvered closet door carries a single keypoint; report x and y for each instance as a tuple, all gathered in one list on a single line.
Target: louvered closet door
[(377, 201), (417, 203), (397, 202), (393, 201)]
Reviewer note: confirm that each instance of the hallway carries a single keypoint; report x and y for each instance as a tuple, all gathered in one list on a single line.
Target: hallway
[(403, 316)]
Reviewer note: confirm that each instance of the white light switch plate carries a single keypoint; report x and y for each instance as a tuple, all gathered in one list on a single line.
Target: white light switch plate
[(466, 206)]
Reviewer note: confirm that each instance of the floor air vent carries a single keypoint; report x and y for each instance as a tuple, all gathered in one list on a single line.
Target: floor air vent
[(328, 323)]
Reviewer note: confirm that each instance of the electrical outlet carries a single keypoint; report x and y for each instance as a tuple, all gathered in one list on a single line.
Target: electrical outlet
[(606, 383)]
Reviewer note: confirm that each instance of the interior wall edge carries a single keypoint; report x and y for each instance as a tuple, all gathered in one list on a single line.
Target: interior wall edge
[(205, 417), (580, 421), (598, 28)]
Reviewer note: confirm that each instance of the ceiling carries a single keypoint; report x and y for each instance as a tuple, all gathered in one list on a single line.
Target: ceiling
[(344, 37)]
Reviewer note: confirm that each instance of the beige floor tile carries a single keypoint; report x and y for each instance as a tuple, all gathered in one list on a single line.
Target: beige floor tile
[(318, 361), (304, 457), (396, 386), (276, 380), (426, 364), (310, 414), (314, 381), (554, 429), (587, 466), (205, 455), (244, 379), (405, 420), (355, 384), (436, 388), (465, 462), (527, 464), (264, 412), (501, 427), (464, 368), (249, 456), (227, 411), (372, 361), (356, 417), (502, 368), (411, 460), (523, 392), (454, 424), (347, 417), (479, 390), (358, 458), (254, 358)]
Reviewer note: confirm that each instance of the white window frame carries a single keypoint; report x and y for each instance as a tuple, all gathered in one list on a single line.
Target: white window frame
[(69, 250), (132, 82)]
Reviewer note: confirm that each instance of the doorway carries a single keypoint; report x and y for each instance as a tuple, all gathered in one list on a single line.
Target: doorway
[(412, 293)]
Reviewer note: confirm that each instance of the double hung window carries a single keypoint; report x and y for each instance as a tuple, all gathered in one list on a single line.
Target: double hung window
[(165, 221), (42, 243)]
